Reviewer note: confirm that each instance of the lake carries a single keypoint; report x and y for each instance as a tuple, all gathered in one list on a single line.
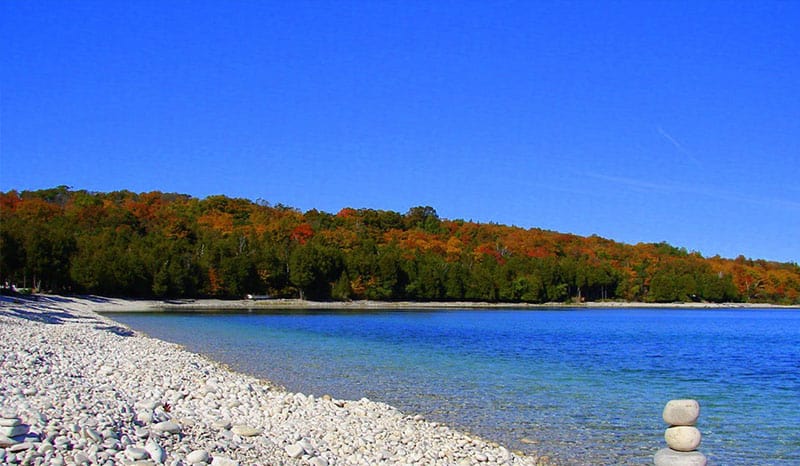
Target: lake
[(585, 387)]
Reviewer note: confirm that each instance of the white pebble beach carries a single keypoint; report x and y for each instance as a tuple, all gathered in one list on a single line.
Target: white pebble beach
[(78, 388)]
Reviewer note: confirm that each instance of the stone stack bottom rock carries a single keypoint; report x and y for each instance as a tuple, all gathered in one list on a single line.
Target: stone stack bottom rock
[(682, 436)]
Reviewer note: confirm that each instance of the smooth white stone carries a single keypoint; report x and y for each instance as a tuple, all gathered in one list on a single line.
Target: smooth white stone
[(20, 447), (669, 457), (80, 458), (10, 422), (197, 456), (148, 405), (306, 446), (245, 431), (14, 431), (136, 453), (6, 441), (294, 451), (145, 417), (92, 434), (221, 424), (45, 447), (157, 454), (318, 461), (683, 438), (681, 412), (167, 426)]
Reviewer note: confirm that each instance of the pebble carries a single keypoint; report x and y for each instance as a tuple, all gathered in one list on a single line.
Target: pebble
[(294, 451), (306, 446), (136, 453), (669, 457), (20, 447), (80, 458), (197, 456), (681, 412), (221, 424), (683, 438), (157, 454), (245, 431), (92, 434), (14, 431), (167, 426)]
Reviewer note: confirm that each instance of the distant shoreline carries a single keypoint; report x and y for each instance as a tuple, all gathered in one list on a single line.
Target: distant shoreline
[(111, 305)]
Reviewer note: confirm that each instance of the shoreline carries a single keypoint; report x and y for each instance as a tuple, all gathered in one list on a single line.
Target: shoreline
[(111, 305), (76, 387)]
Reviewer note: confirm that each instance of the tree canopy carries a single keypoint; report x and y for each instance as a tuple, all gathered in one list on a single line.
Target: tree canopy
[(173, 245)]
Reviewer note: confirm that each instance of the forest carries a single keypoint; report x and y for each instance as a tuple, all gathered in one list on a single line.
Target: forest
[(165, 245)]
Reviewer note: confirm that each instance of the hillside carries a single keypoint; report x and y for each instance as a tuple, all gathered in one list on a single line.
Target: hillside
[(173, 245)]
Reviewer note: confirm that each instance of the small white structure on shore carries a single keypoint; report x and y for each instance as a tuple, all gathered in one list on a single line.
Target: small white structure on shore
[(257, 297), (682, 436)]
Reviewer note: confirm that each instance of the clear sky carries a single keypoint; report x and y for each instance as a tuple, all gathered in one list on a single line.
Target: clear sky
[(637, 121)]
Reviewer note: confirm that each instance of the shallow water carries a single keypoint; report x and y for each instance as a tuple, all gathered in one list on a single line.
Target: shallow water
[(584, 386)]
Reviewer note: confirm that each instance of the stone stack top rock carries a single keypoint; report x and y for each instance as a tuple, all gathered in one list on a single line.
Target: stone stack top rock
[(681, 412)]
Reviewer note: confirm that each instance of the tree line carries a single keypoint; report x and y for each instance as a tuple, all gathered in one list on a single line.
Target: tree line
[(173, 245)]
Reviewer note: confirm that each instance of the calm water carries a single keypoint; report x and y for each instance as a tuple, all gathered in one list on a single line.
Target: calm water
[(586, 387)]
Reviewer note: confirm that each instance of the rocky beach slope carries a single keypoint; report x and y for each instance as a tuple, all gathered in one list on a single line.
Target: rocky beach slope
[(78, 388)]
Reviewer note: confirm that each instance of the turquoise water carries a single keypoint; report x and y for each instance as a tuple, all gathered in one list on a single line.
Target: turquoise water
[(584, 386)]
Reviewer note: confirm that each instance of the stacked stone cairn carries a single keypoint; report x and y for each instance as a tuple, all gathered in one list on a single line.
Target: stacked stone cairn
[(14, 435), (682, 436)]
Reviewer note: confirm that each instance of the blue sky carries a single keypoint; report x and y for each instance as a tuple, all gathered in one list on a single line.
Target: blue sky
[(637, 121)]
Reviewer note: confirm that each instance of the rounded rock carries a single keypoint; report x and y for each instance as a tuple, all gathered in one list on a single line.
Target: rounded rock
[(136, 453), (10, 422), (669, 457), (197, 456), (14, 431), (156, 452), (681, 412), (20, 447), (683, 438), (80, 458), (294, 451), (245, 431), (221, 424), (167, 426)]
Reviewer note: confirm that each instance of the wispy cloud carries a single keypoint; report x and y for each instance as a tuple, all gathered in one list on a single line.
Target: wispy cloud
[(633, 183), (675, 143), (695, 189)]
